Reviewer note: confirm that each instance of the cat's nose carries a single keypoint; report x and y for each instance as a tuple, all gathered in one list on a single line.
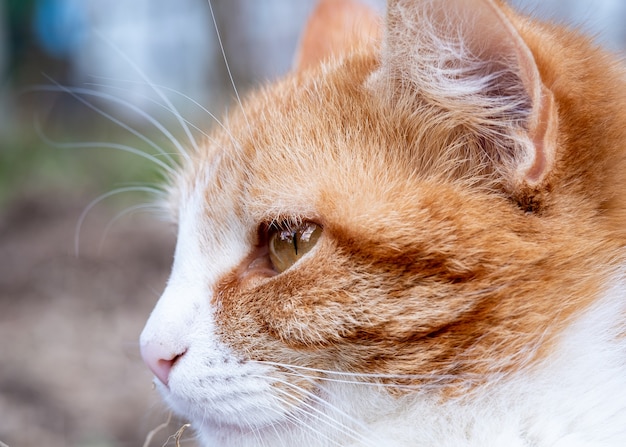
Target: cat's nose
[(160, 359)]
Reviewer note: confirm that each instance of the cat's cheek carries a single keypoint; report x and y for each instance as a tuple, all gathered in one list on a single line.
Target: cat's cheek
[(217, 390), (206, 382)]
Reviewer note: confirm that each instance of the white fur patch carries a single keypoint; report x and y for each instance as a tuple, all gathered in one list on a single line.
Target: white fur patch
[(208, 382)]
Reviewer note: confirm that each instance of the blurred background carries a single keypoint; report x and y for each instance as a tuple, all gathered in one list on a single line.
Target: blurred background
[(78, 275)]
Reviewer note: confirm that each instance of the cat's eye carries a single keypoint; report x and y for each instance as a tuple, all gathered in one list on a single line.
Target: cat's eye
[(287, 243)]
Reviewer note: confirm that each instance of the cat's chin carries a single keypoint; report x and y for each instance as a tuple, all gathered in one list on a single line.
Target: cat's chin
[(245, 429), (245, 419), (211, 433), (227, 416), (245, 406)]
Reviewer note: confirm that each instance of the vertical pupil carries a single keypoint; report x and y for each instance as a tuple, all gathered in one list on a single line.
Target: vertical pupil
[(291, 236), (287, 243), (294, 237)]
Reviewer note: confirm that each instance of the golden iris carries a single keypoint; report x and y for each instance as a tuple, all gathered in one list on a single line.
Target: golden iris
[(290, 243)]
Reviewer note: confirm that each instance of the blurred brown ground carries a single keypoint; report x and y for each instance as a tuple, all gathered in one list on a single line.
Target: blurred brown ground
[(70, 369)]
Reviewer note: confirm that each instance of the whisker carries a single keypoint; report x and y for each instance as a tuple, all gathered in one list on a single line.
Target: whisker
[(211, 115), (356, 382), (291, 417), (118, 216), (97, 200), (327, 404), (280, 438), (172, 110), (230, 75), (203, 109), (439, 377), (101, 145), (159, 93), (302, 423), (148, 98), (76, 93), (194, 102), (256, 433)]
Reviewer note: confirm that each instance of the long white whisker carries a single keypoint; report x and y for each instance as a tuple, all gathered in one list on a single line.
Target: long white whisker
[(356, 382), (97, 200), (161, 95), (208, 112), (101, 145), (289, 416), (304, 424), (441, 377), (75, 92), (280, 438), (197, 104), (118, 216), (327, 404), (151, 100), (230, 75), (186, 97), (256, 433), (194, 102), (292, 417), (324, 418), (204, 109), (429, 381)]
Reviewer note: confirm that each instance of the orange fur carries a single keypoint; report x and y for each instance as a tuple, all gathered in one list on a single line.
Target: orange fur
[(464, 229), (334, 27), (425, 270)]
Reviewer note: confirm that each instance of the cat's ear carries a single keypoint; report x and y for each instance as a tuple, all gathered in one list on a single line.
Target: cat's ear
[(467, 56), (334, 28)]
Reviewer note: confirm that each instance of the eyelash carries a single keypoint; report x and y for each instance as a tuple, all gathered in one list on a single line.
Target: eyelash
[(281, 237), (289, 229)]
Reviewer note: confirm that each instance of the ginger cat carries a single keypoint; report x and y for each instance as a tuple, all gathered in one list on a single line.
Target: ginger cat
[(416, 238)]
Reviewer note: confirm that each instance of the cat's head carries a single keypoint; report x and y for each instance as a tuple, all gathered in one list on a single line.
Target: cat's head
[(402, 211)]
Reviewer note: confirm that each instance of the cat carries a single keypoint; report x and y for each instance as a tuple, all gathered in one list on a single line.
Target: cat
[(415, 238)]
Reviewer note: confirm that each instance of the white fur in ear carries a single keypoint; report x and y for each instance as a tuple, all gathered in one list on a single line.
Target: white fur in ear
[(467, 57), (543, 119)]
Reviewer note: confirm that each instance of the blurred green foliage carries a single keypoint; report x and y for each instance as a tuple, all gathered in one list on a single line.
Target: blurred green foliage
[(29, 165), (33, 160)]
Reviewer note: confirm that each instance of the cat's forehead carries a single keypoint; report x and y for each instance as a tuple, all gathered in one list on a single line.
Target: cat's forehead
[(286, 144), (320, 143)]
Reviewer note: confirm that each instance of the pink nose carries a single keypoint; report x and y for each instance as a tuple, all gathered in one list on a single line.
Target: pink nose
[(160, 360)]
